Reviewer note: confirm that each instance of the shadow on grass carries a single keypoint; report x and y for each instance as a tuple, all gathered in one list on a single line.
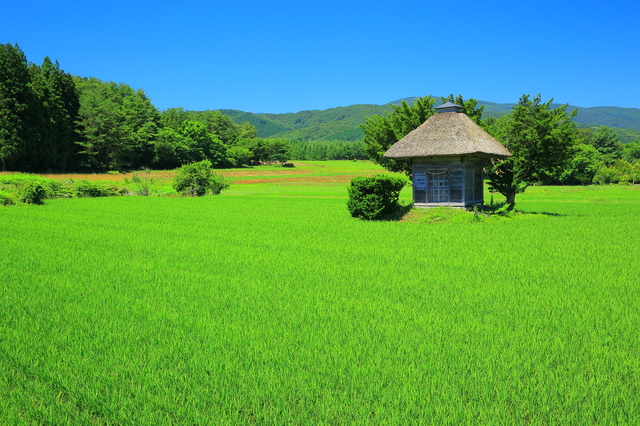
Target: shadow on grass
[(407, 213), (502, 209), (397, 215), (546, 214)]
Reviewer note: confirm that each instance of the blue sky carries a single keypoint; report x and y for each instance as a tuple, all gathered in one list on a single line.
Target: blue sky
[(287, 56)]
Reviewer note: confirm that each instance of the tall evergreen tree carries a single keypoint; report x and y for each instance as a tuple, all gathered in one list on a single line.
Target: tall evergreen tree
[(53, 131), (118, 125), (607, 143), (541, 141), (15, 97)]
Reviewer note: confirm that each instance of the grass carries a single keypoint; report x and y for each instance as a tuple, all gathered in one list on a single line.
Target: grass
[(268, 304)]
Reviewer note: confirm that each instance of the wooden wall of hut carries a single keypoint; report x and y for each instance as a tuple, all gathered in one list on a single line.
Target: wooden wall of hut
[(448, 181)]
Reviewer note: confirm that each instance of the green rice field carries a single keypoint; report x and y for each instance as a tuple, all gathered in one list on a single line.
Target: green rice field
[(270, 305)]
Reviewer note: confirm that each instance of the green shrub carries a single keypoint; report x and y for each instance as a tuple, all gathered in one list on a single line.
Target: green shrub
[(5, 199), (372, 197), (32, 192), (143, 183), (84, 188), (624, 180), (198, 179), (52, 188), (61, 189)]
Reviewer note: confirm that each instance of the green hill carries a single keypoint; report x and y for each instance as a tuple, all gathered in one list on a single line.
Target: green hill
[(343, 123)]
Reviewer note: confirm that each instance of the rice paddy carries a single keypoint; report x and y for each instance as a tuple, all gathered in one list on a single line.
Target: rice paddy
[(269, 304)]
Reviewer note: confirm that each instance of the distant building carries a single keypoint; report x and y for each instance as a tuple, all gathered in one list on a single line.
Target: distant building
[(447, 153)]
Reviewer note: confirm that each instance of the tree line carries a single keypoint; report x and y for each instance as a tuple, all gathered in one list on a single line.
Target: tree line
[(319, 150), (547, 147), (53, 121)]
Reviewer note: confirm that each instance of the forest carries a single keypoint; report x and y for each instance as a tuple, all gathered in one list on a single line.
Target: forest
[(51, 120)]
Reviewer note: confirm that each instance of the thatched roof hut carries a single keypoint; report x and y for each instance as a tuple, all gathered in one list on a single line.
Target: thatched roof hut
[(450, 132), (447, 152)]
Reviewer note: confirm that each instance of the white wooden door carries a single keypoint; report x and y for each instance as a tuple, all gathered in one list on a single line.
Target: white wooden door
[(438, 186)]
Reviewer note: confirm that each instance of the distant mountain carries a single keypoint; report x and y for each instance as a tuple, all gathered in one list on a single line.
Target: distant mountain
[(343, 123)]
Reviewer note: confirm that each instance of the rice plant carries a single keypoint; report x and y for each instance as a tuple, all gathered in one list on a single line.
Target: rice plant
[(269, 304)]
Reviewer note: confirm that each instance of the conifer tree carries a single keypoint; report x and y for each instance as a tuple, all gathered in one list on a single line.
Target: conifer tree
[(15, 96), (541, 141)]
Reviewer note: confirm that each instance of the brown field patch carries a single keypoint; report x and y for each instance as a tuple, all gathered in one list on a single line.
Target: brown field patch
[(308, 179)]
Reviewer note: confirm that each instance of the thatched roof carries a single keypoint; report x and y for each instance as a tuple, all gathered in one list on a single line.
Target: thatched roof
[(447, 133)]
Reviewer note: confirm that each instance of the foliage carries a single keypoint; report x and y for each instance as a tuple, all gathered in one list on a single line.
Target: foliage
[(85, 188), (239, 156), (469, 107), (196, 179), (32, 192), (118, 125), (267, 151), (620, 171), (382, 131), (631, 151), (15, 97), (143, 182), (38, 113), (54, 129), (190, 136), (171, 148), (607, 144), (52, 188), (5, 199), (327, 150), (372, 197), (586, 161), (204, 145), (541, 142)]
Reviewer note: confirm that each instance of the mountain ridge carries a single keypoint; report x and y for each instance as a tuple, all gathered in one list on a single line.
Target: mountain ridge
[(343, 123)]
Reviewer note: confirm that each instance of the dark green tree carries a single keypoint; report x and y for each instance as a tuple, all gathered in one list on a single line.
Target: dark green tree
[(218, 124), (173, 118), (52, 145), (15, 97), (204, 145), (607, 143), (278, 151), (469, 107), (631, 151), (171, 149), (118, 125), (541, 141), (585, 162), (382, 131)]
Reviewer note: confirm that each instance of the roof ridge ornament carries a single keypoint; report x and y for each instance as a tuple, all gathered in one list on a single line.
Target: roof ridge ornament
[(449, 107)]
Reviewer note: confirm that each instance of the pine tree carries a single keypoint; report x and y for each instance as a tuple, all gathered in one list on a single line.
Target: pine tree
[(15, 96), (541, 142)]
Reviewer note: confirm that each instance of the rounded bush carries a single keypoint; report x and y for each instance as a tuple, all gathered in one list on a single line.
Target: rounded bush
[(5, 199), (84, 188), (32, 193), (198, 179), (372, 197)]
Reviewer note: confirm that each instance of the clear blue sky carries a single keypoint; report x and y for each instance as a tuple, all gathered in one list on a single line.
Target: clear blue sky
[(286, 56)]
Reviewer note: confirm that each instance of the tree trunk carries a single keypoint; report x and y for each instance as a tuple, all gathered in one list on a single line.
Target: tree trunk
[(511, 198)]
